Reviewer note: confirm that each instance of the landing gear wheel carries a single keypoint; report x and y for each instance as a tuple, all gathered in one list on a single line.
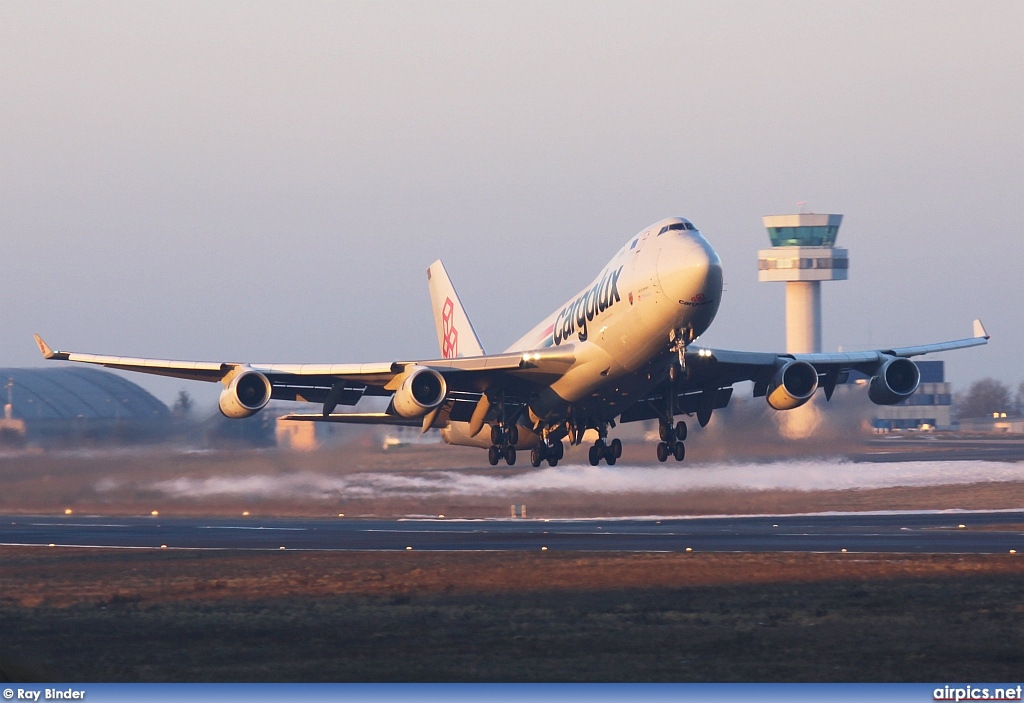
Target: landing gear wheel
[(595, 455), (662, 451), (495, 434), (616, 446), (609, 456), (664, 432), (513, 434), (510, 456), (679, 451), (493, 455), (537, 456), (681, 431), (552, 461), (559, 450)]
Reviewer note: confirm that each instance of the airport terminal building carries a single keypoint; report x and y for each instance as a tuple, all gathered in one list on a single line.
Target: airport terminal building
[(929, 408)]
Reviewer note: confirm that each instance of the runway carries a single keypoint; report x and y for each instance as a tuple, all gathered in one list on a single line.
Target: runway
[(917, 532)]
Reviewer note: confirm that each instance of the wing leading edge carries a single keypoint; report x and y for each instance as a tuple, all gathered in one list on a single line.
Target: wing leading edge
[(316, 382)]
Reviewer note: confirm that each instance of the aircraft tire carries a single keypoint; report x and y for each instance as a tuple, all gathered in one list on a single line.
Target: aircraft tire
[(495, 434), (559, 450), (552, 461), (513, 434), (616, 446), (610, 458), (537, 456), (679, 451), (664, 431), (662, 451), (493, 455), (681, 431), (510, 456), (595, 455)]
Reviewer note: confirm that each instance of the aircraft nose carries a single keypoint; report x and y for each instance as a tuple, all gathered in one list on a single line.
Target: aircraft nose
[(690, 271)]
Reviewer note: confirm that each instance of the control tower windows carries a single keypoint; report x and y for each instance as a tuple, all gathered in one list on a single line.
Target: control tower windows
[(824, 236)]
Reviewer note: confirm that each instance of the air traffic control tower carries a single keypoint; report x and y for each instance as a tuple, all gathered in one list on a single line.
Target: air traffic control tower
[(803, 254)]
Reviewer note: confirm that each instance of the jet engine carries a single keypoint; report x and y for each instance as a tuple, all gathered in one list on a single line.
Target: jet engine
[(895, 380), (792, 386), (421, 391), (245, 396)]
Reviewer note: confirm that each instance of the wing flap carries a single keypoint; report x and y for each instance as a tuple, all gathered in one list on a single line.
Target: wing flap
[(356, 419)]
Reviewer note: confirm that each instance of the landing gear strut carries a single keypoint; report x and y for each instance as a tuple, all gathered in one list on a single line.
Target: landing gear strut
[(672, 436)]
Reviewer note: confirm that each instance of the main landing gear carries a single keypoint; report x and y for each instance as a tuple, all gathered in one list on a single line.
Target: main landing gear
[(672, 441), (551, 452), (503, 444), (609, 452)]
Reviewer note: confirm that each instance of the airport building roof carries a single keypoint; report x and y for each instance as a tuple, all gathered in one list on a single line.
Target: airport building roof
[(69, 393)]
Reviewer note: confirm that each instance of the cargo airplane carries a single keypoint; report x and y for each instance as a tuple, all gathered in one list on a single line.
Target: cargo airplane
[(623, 349)]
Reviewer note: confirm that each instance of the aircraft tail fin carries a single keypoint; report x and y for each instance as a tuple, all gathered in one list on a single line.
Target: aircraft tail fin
[(455, 333)]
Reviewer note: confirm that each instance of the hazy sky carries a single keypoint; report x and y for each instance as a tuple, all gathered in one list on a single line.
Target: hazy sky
[(269, 181)]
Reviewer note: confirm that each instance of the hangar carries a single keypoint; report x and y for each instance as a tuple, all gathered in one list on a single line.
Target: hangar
[(58, 405)]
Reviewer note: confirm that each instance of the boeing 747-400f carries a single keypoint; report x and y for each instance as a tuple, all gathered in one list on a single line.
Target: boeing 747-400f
[(622, 349)]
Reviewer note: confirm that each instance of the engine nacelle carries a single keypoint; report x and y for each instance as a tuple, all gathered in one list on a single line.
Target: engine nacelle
[(245, 396), (896, 380), (792, 386), (421, 391)]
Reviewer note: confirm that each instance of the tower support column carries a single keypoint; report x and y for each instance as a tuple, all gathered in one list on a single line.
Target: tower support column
[(803, 317)]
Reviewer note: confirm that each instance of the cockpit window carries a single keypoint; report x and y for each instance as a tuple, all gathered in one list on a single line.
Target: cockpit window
[(633, 245), (677, 225)]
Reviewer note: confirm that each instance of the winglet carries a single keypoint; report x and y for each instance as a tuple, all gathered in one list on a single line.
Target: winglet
[(979, 330), (47, 352)]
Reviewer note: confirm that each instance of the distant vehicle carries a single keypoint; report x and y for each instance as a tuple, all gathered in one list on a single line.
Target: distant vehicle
[(622, 349)]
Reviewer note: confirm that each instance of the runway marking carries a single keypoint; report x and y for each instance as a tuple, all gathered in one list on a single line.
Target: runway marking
[(233, 527), (71, 524), (427, 532)]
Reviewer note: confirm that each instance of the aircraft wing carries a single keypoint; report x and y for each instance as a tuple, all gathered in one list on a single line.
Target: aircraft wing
[(729, 367), (313, 382), (710, 373)]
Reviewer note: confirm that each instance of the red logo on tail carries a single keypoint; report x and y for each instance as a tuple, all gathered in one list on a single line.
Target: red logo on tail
[(450, 340)]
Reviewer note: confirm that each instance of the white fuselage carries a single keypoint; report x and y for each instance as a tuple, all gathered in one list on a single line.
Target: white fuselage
[(663, 284)]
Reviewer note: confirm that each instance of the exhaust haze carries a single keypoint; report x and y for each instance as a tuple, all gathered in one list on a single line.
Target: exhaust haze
[(800, 475)]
